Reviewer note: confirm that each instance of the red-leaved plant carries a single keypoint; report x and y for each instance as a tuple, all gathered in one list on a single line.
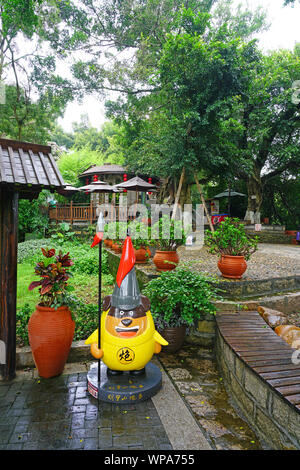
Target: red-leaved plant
[(54, 272)]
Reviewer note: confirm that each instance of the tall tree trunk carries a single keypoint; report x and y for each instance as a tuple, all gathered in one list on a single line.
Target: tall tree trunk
[(255, 196)]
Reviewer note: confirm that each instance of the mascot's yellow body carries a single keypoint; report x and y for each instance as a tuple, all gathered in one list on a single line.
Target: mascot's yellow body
[(131, 353), (128, 337)]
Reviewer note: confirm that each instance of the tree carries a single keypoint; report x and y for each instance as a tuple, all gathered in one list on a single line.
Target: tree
[(34, 93), (220, 106), (267, 131), (200, 72), (22, 118)]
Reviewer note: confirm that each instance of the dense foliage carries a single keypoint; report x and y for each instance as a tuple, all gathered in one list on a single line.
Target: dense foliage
[(180, 297), (55, 273), (230, 238)]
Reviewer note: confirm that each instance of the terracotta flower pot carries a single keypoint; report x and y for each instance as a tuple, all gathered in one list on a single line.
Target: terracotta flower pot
[(232, 267), (50, 334), (109, 244), (175, 337), (106, 242), (161, 257), (142, 255), (117, 247)]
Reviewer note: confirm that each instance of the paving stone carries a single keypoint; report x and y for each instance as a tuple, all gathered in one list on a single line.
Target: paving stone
[(54, 414), (90, 444)]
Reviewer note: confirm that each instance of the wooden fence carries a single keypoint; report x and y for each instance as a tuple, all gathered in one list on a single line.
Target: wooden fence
[(73, 213)]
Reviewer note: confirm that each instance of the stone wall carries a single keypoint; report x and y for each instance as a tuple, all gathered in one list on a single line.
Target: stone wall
[(275, 422), (231, 289), (271, 237)]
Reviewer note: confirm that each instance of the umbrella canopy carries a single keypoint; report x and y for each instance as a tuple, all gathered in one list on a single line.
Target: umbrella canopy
[(226, 193), (136, 184), (98, 187), (68, 190)]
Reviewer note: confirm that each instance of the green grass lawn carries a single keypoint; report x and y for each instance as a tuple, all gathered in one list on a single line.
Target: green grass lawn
[(86, 286), (25, 277), (84, 280)]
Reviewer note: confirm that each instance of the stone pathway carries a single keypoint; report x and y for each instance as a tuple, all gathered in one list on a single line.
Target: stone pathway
[(269, 261), (58, 413), (194, 373)]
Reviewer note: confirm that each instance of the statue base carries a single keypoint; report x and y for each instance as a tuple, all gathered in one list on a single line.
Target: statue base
[(124, 388)]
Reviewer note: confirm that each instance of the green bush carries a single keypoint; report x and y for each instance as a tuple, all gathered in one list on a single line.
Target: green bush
[(86, 321), (180, 297), (22, 319), (30, 248), (231, 239), (86, 259)]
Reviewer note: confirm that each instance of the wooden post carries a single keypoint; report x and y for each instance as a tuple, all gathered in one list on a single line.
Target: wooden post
[(91, 211), (178, 193), (8, 278), (203, 202), (71, 212)]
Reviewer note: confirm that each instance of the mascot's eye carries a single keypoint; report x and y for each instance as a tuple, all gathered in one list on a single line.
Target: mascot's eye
[(122, 313), (130, 313)]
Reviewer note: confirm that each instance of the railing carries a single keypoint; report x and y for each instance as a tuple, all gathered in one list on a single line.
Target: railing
[(85, 213)]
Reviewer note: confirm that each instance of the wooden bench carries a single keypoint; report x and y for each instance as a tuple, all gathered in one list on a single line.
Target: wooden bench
[(269, 356)]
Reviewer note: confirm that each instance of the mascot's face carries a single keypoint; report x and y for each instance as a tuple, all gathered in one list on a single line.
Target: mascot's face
[(127, 323)]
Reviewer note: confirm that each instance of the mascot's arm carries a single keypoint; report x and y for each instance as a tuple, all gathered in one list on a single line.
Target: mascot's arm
[(96, 353), (159, 339), (93, 341)]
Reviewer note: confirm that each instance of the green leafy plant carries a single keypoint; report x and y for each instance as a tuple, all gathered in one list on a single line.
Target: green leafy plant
[(140, 234), (22, 319), (53, 285), (231, 239), (180, 297), (29, 248), (63, 233), (168, 234)]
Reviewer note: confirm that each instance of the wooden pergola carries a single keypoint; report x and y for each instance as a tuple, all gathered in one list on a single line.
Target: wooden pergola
[(25, 169)]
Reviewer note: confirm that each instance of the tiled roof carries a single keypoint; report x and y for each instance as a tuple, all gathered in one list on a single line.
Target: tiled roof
[(108, 168), (28, 166)]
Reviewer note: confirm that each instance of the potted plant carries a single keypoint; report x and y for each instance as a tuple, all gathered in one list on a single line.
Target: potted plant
[(179, 299), (234, 246), (51, 326), (106, 238), (168, 235), (119, 230), (140, 234)]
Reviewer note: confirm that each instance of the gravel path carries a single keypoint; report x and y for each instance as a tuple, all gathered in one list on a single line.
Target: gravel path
[(270, 261)]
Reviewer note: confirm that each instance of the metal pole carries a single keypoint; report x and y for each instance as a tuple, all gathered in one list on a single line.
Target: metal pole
[(99, 320)]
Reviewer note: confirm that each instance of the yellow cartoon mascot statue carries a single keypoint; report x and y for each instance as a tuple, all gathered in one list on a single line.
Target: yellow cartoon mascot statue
[(128, 338)]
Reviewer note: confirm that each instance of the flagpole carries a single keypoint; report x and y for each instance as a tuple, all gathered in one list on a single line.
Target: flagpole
[(99, 319)]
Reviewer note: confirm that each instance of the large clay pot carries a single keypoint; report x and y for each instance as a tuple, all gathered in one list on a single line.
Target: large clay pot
[(50, 334), (161, 257), (232, 267), (175, 337), (106, 242), (109, 244), (142, 255)]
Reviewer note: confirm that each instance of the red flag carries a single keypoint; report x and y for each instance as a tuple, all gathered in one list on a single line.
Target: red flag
[(97, 239), (99, 230), (127, 260)]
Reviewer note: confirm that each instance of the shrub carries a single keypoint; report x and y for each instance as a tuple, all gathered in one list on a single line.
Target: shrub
[(168, 233), (22, 319), (180, 297), (30, 248), (54, 272), (231, 239)]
